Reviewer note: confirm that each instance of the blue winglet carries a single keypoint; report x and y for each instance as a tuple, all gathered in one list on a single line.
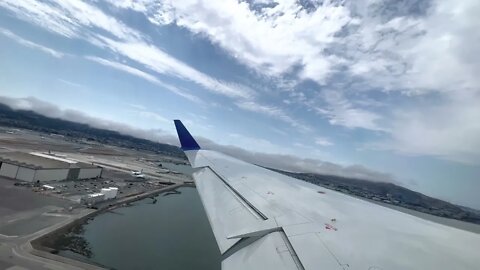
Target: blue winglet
[(186, 140)]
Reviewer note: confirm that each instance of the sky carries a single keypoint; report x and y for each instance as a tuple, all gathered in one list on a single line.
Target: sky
[(381, 90)]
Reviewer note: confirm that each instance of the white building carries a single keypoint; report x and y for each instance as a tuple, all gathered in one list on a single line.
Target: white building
[(93, 198), (43, 167), (48, 187), (110, 193)]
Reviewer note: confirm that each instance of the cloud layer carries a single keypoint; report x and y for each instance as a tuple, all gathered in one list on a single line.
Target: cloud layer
[(408, 70), (285, 162), (424, 53), (85, 21)]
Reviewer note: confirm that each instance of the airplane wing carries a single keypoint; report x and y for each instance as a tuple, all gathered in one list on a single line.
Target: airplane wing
[(265, 220)]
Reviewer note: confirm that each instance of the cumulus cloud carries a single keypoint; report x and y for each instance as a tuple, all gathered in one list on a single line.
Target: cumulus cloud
[(279, 161), (268, 38), (416, 49), (427, 53), (420, 56)]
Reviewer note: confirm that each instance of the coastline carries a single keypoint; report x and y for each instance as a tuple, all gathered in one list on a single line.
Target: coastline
[(41, 246)]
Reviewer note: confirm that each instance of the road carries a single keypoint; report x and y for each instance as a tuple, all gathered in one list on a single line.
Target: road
[(16, 252)]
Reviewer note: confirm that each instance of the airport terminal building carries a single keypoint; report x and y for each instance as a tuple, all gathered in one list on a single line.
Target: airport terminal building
[(32, 167)]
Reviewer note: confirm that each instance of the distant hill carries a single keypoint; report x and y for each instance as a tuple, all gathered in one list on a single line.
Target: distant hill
[(391, 194), (34, 121)]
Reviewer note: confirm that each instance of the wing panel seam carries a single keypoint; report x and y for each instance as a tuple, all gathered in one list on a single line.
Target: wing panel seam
[(243, 199)]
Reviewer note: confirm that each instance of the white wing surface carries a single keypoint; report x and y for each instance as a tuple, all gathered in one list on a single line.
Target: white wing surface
[(265, 220)]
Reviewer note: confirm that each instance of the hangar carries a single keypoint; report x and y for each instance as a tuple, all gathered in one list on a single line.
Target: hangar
[(41, 167)]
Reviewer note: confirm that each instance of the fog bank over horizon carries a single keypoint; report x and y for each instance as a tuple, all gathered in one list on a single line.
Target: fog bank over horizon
[(278, 161)]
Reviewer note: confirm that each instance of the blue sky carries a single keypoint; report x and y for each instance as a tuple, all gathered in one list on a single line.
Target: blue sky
[(385, 90)]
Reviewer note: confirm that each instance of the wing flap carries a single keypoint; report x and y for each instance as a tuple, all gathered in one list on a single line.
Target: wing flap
[(226, 212), (269, 252), (313, 253)]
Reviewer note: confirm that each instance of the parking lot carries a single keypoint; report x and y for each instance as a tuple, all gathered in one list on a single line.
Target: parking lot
[(23, 211)]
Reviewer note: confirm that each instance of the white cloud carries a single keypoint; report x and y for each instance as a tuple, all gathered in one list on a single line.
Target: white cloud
[(124, 68), (423, 55), (51, 110), (253, 144), (340, 111), (75, 85), (322, 141), (143, 112), (272, 111), (78, 19), (138, 107), (270, 40), (434, 61), (137, 5), (154, 116), (415, 54), (281, 160), (143, 75), (448, 131), (413, 48), (30, 44), (43, 15), (277, 158), (160, 62), (69, 18)]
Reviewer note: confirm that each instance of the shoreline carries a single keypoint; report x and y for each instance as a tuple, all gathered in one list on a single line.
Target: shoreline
[(41, 246)]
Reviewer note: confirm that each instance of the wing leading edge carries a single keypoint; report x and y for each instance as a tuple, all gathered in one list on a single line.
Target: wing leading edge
[(265, 220)]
